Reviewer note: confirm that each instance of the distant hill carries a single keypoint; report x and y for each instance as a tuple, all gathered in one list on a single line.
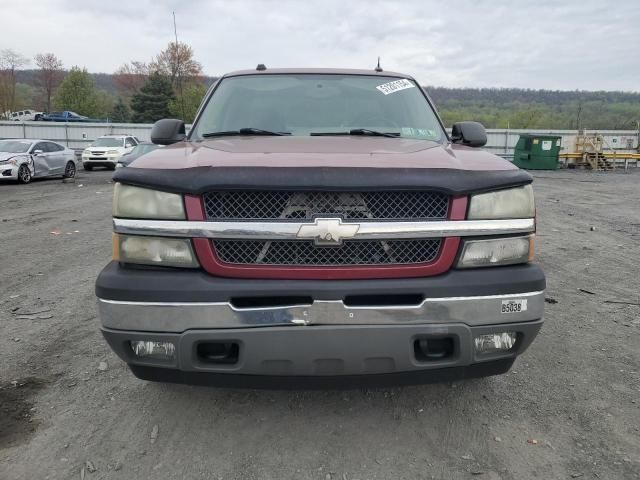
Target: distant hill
[(525, 108), (494, 107)]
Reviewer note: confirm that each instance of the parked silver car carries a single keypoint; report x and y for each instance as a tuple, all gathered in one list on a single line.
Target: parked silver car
[(24, 159)]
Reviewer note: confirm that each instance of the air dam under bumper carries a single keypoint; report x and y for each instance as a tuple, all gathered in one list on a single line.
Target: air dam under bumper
[(323, 355)]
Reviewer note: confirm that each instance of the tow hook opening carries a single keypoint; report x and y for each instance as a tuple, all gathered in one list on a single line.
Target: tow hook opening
[(383, 300), (271, 302), (217, 353), (431, 349)]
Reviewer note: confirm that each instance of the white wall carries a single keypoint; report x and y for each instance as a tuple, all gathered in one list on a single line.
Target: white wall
[(79, 135)]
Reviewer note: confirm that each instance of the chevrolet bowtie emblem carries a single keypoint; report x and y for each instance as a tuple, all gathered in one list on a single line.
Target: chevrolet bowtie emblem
[(328, 231)]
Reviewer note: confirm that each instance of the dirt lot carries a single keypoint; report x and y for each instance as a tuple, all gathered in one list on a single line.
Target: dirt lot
[(570, 408)]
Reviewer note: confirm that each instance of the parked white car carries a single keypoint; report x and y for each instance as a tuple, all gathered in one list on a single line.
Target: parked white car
[(23, 116), (106, 151), (25, 159)]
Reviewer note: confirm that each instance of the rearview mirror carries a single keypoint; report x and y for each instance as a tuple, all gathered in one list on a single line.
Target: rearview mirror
[(168, 131), (471, 134)]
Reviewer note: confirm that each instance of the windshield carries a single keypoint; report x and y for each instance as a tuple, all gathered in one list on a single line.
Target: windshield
[(12, 146), (319, 105), (108, 142)]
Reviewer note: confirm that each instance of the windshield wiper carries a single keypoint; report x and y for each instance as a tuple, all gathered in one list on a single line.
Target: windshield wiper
[(375, 133), (244, 131), (357, 131)]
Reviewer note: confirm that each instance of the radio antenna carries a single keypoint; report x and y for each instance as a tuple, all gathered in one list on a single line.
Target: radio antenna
[(175, 28), (378, 67)]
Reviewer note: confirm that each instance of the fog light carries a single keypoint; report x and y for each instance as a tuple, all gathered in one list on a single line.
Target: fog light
[(495, 342), (153, 349)]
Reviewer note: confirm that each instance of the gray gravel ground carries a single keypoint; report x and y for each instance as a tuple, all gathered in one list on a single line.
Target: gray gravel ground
[(568, 409)]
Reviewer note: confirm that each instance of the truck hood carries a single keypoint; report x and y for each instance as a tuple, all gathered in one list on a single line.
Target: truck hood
[(339, 152), (325, 163)]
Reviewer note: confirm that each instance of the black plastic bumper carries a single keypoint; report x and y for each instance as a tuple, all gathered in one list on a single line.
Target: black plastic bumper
[(298, 354), (145, 285)]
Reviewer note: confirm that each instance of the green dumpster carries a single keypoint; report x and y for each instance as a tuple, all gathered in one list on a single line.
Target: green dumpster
[(537, 152)]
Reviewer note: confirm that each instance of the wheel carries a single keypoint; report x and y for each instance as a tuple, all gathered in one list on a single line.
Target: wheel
[(70, 170), (24, 174), (87, 167), (111, 167)]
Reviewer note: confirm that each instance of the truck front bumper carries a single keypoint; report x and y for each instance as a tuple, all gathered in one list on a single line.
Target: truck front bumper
[(100, 161), (321, 337)]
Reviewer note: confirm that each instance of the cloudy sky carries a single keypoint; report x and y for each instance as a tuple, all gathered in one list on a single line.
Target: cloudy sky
[(568, 45)]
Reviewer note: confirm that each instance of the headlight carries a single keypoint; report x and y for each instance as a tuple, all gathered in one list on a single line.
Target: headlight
[(496, 251), (511, 203), (166, 252), (136, 202)]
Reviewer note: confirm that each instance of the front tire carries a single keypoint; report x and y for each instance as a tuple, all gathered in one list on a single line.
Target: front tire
[(70, 170), (111, 167), (87, 167), (24, 174)]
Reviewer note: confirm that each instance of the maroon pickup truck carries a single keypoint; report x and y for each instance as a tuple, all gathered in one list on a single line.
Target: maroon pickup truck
[(320, 228)]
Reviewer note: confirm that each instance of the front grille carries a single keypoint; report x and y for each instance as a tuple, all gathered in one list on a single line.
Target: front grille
[(96, 152), (281, 205), (305, 252)]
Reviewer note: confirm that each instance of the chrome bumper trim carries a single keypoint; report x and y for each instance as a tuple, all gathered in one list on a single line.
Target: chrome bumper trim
[(290, 230), (179, 317)]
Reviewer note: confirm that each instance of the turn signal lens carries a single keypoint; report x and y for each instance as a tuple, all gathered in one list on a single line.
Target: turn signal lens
[(532, 247)]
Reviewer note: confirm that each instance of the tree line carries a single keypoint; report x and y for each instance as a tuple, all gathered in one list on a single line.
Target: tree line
[(173, 85), (538, 109)]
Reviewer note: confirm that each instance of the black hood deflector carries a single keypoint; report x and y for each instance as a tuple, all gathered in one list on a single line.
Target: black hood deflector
[(201, 179)]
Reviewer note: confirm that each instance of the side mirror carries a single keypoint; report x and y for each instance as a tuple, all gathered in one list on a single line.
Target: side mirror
[(471, 134), (37, 152), (168, 131)]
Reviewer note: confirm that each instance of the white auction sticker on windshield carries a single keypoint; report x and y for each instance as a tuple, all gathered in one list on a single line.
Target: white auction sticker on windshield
[(395, 86)]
